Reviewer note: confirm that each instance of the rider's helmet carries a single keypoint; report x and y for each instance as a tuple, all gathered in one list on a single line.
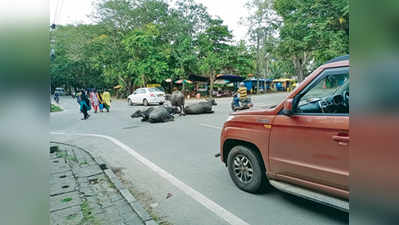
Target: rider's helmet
[(242, 84)]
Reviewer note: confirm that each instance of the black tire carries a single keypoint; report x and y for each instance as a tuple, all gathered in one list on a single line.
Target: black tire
[(258, 179), (129, 102), (145, 102), (161, 103)]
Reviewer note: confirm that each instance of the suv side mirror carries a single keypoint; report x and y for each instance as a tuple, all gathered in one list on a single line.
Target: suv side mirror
[(287, 107)]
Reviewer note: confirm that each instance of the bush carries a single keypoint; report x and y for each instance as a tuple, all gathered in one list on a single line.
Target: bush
[(54, 108)]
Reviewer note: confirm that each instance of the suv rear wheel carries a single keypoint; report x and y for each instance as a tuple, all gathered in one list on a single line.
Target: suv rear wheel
[(246, 169)]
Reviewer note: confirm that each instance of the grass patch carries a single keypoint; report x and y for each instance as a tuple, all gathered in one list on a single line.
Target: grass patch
[(83, 163), (88, 217), (60, 154), (72, 216), (66, 156), (54, 108), (66, 200), (72, 158)]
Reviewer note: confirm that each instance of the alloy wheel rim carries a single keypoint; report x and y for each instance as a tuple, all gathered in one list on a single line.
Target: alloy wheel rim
[(242, 168)]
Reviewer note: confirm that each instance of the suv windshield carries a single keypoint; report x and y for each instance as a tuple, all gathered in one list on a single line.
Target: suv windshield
[(326, 87)]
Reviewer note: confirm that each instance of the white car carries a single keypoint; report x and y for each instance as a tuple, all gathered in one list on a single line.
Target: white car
[(59, 91), (146, 96)]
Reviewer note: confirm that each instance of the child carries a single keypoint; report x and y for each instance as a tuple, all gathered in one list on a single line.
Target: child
[(236, 100)]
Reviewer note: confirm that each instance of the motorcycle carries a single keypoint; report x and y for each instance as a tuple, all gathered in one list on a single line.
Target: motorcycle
[(243, 104)]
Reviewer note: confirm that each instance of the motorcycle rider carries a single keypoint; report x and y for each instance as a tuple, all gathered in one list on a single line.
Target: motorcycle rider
[(240, 95)]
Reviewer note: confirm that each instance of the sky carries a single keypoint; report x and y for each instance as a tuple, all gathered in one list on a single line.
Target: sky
[(77, 11)]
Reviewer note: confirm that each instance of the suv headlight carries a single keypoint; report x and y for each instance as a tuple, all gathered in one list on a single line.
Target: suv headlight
[(229, 118)]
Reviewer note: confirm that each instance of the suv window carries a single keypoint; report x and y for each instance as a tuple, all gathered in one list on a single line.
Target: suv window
[(328, 94)]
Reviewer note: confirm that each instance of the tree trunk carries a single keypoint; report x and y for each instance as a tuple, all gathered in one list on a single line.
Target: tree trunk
[(143, 79), (299, 66), (211, 80), (265, 75), (257, 53)]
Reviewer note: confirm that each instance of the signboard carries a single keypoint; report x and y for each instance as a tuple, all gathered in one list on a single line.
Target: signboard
[(153, 85)]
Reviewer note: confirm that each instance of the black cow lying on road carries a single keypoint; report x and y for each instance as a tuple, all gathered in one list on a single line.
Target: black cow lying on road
[(156, 115), (201, 107)]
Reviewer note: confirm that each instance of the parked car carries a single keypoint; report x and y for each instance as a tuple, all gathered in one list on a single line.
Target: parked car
[(299, 146), (60, 91), (146, 96)]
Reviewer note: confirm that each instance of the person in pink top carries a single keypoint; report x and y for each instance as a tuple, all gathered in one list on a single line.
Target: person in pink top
[(94, 100)]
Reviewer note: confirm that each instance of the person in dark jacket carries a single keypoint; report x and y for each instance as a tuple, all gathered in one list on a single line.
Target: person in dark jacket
[(84, 106)]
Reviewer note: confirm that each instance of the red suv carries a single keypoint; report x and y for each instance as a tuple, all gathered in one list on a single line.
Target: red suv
[(301, 145)]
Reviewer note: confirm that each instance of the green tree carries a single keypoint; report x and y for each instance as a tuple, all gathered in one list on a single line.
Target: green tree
[(263, 32), (297, 34), (134, 42), (313, 31), (148, 55), (213, 46)]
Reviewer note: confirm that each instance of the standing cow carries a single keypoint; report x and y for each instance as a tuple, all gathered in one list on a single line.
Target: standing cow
[(177, 100)]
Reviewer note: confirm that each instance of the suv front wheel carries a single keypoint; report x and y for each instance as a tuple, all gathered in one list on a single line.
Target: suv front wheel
[(246, 169)]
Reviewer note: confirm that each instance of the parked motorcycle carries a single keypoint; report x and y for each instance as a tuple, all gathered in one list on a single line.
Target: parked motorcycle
[(243, 104)]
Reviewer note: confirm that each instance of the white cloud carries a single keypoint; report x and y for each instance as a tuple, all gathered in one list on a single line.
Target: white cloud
[(231, 11), (71, 11)]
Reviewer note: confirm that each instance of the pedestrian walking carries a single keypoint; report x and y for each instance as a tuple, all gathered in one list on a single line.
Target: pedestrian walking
[(100, 101), (84, 105), (78, 96), (107, 100), (56, 97), (94, 100)]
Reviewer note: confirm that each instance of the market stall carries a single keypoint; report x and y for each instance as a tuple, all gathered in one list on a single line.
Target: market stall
[(283, 84)]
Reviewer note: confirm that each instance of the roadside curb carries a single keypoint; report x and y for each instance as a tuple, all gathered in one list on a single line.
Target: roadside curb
[(129, 198)]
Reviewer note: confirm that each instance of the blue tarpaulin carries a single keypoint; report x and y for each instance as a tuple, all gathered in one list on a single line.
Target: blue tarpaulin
[(252, 83), (230, 77)]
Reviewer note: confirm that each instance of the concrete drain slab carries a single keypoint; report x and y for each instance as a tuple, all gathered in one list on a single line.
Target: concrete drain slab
[(69, 216), (64, 201), (60, 177), (87, 171), (66, 185)]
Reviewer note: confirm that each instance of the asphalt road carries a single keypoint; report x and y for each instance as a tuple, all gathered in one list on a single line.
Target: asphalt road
[(185, 148)]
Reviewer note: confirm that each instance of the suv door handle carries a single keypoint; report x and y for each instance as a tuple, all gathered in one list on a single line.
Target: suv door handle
[(342, 140)]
